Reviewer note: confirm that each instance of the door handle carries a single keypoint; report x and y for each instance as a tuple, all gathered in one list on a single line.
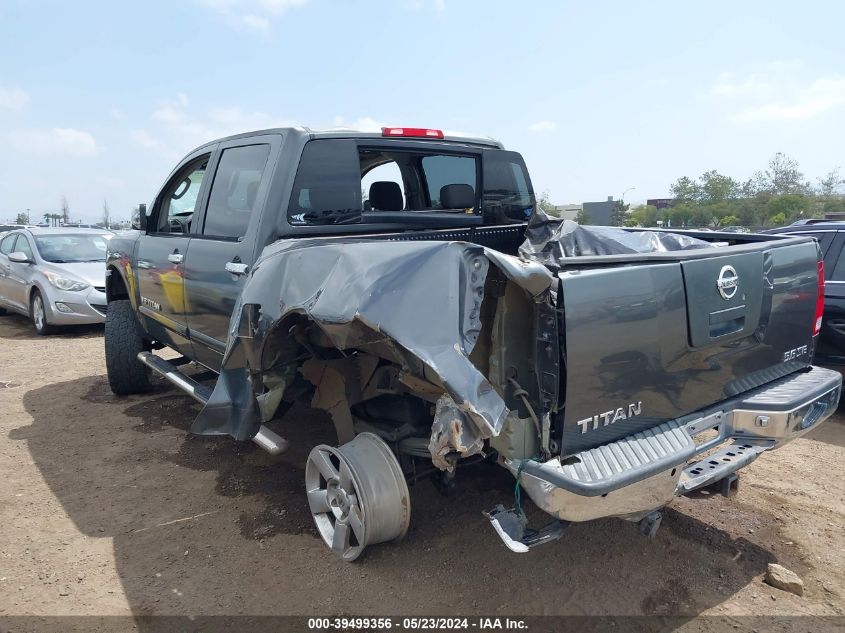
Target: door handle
[(175, 258), (236, 268)]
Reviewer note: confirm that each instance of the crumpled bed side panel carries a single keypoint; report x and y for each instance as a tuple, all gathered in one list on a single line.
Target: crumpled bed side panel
[(550, 240), (423, 296)]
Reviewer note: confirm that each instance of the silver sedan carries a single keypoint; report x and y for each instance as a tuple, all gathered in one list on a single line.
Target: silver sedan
[(55, 276)]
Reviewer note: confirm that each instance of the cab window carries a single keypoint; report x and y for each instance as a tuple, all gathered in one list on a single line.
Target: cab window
[(179, 200), (234, 191), (338, 179)]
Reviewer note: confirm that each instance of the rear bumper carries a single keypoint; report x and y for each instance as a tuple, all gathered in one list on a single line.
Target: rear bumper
[(643, 472)]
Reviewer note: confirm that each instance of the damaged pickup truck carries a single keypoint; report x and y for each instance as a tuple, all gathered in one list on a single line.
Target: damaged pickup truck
[(407, 283)]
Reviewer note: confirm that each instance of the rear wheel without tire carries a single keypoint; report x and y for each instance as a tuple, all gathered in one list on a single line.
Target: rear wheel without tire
[(124, 340), (38, 314), (357, 495)]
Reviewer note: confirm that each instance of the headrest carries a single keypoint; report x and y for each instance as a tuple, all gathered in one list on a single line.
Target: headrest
[(386, 195), (459, 196)]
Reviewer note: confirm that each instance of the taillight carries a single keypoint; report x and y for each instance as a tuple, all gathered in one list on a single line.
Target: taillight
[(817, 321), (418, 132)]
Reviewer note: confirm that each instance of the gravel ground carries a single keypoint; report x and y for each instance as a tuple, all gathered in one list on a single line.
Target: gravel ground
[(110, 507)]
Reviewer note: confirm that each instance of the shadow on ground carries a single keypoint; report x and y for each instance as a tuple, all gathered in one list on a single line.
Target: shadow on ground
[(206, 526), (19, 327)]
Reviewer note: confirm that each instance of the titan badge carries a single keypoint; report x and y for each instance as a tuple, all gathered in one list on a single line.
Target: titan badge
[(611, 417)]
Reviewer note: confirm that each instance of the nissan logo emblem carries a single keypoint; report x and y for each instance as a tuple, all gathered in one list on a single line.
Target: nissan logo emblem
[(727, 282)]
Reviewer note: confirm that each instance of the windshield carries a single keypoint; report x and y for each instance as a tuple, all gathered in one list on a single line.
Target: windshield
[(65, 249)]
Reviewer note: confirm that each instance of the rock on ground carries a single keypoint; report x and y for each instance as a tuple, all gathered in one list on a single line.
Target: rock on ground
[(782, 578)]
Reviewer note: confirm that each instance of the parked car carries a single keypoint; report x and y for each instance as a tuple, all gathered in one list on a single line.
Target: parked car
[(830, 347), (734, 229), (54, 276), (446, 318)]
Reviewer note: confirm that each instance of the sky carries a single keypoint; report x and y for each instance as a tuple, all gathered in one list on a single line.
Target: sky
[(100, 99)]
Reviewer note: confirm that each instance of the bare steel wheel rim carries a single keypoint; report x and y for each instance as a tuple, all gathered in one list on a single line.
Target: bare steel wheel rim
[(38, 312), (357, 495)]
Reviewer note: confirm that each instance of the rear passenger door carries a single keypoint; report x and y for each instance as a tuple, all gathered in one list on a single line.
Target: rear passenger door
[(224, 249)]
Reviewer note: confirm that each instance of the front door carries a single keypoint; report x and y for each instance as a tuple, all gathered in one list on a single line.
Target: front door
[(222, 251), (162, 252)]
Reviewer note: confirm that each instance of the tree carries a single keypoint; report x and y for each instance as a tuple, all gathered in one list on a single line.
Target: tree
[(619, 213), (790, 205), (779, 219), (685, 190), (729, 220), (545, 205), (829, 185), (716, 187), (680, 214), (782, 176), (65, 210), (22, 218), (106, 214), (581, 217), (645, 215)]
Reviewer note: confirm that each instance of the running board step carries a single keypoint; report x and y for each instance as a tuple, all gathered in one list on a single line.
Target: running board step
[(166, 369), (270, 441)]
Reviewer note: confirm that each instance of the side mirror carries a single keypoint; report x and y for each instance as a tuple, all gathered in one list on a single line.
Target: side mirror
[(19, 258), (141, 224)]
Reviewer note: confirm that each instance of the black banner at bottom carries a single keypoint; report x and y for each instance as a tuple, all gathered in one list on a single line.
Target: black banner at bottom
[(408, 624)]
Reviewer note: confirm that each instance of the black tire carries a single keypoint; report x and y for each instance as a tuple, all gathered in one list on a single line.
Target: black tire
[(38, 315), (124, 339)]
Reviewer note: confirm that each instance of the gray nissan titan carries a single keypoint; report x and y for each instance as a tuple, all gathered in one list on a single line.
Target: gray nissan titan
[(406, 282)]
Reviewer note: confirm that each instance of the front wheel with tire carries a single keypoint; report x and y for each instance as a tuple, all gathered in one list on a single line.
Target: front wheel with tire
[(357, 495), (38, 314), (124, 340)]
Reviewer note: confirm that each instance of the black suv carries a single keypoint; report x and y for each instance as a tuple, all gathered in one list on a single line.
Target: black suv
[(830, 348)]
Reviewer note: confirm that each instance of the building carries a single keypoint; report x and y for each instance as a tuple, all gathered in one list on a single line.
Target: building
[(568, 211), (599, 213), (660, 203)]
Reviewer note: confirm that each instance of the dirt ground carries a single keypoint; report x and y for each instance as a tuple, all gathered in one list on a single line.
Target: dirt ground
[(109, 506)]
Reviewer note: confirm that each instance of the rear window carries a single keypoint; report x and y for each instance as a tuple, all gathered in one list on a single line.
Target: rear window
[(508, 196), (338, 179)]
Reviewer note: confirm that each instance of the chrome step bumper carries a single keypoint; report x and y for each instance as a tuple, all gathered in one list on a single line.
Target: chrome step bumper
[(637, 474)]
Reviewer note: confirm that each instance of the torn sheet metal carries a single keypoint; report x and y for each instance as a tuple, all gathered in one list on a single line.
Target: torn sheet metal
[(549, 240), (452, 433), (421, 299)]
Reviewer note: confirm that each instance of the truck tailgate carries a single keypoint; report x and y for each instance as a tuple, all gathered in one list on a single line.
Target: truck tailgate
[(649, 341)]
